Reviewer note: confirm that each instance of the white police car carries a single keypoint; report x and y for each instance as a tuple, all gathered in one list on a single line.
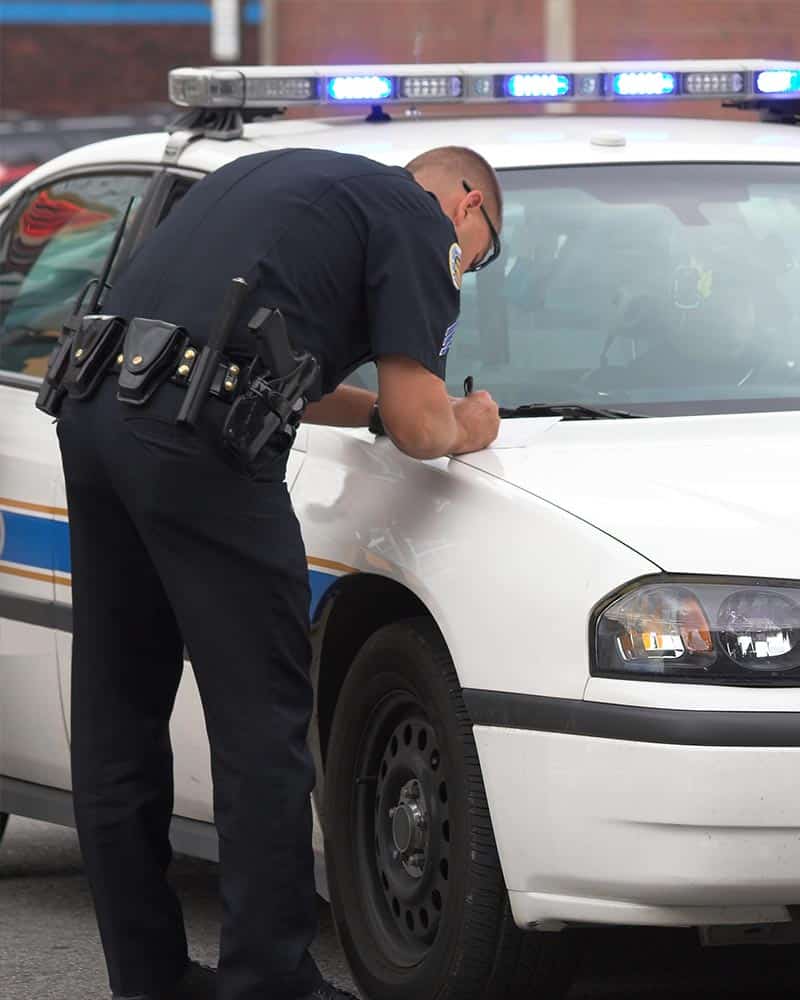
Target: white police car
[(557, 681)]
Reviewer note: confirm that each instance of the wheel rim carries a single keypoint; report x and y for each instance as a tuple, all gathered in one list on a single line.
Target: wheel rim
[(402, 829)]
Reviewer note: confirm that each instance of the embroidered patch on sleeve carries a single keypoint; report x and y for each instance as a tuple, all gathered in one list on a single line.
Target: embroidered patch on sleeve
[(449, 333), (454, 262)]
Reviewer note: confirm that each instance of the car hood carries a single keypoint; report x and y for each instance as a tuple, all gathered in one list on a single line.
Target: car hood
[(702, 494)]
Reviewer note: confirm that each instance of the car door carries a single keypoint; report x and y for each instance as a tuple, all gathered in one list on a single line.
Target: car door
[(64, 273), (106, 191), (52, 242)]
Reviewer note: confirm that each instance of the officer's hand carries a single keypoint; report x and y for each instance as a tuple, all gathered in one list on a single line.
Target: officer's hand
[(420, 417), (478, 420)]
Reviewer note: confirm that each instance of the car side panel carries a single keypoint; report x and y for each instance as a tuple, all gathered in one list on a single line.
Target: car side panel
[(33, 550)]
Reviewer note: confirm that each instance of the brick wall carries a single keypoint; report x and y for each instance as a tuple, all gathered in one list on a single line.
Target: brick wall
[(92, 69), (79, 69), (410, 30), (686, 29)]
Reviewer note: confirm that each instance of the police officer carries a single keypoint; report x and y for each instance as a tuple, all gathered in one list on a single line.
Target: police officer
[(174, 541)]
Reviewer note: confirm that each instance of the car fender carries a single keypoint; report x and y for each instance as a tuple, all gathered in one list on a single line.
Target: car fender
[(509, 579)]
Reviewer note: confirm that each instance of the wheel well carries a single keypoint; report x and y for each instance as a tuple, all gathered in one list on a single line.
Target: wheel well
[(360, 605)]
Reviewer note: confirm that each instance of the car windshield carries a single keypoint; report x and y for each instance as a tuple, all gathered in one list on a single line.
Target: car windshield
[(660, 289)]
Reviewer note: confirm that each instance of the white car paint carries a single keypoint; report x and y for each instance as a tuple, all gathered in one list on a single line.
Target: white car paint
[(608, 831), (510, 551), (458, 539), (32, 737), (688, 493)]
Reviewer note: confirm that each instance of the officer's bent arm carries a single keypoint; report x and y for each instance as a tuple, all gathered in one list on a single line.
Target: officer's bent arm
[(417, 412), (346, 406)]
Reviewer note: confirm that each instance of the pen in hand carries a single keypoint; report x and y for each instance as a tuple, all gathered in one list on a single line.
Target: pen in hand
[(469, 385)]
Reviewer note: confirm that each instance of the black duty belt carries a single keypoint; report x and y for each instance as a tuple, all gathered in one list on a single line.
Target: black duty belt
[(142, 353), (226, 384), (267, 400)]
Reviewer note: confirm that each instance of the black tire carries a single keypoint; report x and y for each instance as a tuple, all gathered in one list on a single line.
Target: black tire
[(418, 897), (3, 825)]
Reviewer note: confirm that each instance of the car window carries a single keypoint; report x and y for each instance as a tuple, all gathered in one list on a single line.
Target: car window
[(49, 249), (180, 187), (661, 288)]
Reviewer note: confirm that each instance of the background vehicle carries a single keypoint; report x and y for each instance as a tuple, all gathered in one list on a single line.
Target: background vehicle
[(27, 142), (557, 681)]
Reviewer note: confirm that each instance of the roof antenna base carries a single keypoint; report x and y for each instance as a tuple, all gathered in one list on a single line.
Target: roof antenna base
[(210, 123), (377, 115)]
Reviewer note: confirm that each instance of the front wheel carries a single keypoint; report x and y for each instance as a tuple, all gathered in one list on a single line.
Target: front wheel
[(415, 882)]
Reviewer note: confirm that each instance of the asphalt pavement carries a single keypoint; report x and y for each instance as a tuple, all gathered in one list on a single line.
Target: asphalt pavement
[(50, 950)]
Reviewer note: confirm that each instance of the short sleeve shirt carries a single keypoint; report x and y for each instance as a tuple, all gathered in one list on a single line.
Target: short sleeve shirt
[(360, 259)]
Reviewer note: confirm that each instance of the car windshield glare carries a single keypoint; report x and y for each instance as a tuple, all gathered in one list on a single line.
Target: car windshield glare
[(665, 288)]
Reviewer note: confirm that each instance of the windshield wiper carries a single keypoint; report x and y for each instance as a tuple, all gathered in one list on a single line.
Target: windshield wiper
[(569, 411)]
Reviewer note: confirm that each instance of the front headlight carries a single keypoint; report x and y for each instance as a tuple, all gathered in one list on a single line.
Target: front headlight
[(720, 632)]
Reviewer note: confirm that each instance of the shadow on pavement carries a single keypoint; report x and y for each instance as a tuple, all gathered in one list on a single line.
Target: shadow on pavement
[(628, 963)]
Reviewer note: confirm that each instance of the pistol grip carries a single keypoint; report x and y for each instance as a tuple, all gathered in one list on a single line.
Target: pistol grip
[(269, 329)]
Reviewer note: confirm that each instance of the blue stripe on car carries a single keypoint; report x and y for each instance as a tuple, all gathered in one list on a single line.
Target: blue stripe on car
[(34, 541), (42, 543), (320, 583)]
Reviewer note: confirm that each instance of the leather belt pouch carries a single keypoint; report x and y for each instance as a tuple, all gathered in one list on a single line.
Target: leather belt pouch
[(96, 342), (151, 351), (52, 392)]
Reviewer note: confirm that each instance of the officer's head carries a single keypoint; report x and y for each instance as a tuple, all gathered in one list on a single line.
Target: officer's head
[(467, 188)]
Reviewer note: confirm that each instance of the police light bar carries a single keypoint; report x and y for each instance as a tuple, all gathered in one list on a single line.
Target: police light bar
[(778, 82), (271, 86)]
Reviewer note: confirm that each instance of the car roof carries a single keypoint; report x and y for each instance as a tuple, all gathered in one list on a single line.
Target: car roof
[(509, 141), (517, 141)]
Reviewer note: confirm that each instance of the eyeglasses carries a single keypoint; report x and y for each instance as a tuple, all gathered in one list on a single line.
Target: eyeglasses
[(494, 253)]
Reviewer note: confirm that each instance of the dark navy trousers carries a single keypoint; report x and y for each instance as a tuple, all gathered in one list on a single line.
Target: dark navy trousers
[(172, 543)]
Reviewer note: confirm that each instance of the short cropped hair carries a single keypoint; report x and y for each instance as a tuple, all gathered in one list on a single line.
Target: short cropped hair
[(464, 164)]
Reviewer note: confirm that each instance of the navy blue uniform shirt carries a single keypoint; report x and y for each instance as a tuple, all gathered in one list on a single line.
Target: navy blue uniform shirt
[(359, 258)]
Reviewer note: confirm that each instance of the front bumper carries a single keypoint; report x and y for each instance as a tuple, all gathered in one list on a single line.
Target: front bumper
[(595, 828)]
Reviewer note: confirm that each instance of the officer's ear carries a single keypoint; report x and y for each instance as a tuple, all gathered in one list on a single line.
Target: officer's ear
[(469, 203)]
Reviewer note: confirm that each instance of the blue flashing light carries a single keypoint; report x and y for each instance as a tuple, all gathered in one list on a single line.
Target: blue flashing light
[(538, 85), (360, 88), (778, 81), (645, 84)]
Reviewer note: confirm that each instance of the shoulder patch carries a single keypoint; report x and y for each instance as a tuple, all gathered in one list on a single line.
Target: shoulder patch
[(455, 264), (449, 333)]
